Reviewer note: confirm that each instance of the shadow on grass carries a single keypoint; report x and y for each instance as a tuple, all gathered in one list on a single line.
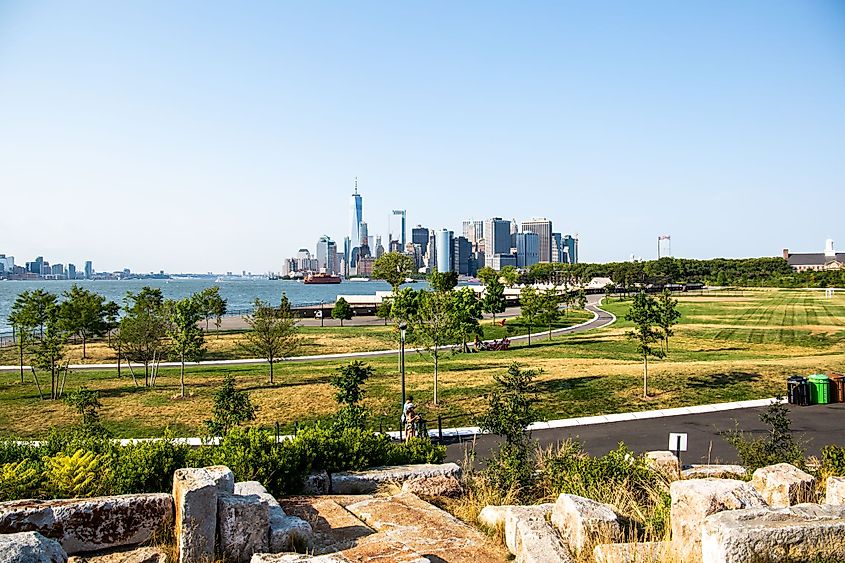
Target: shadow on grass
[(568, 384), (721, 380)]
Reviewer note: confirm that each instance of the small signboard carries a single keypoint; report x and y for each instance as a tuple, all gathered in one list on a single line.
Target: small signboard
[(318, 314), (677, 442)]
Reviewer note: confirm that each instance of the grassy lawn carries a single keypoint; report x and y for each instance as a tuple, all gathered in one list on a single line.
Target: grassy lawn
[(729, 346)]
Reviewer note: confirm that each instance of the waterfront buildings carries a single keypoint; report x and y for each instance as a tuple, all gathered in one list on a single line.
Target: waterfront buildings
[(443, 250), (570, 249), (543, 229), (89, 270), (419, 235), (528, 248), (327, 255)]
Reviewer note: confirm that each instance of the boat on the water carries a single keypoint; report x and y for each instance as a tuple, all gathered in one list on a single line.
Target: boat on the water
[(321, 278)]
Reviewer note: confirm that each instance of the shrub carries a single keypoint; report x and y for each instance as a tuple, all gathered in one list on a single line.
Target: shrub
[(778, 446), (833, 460), (231, 408), (82, 474), (20, 480), (146, 467)]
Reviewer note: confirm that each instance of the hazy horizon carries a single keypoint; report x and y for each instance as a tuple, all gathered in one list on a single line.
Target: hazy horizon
[(198, 137)]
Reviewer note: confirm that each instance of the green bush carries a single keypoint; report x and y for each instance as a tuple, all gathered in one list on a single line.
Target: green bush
[(81, 474), (20, 479), (833, 460), (777, 446), (146, 467)]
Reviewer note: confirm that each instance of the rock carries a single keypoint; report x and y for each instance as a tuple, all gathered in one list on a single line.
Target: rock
[(243, 525), (364, 482), (333, 527), (493, 516), (531, 538), (141, 555), (30, 547), (643, 552), (195, 498), (718, 471), (695, 499), (223, 478), (249, 488), (90, 524), (835, 490), (664, 462), (802, 532), (317, 484), (583, 522), (296, 558), (783, 484), (437, 486)]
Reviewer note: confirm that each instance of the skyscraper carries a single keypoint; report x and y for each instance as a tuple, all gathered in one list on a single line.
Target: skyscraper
[(527, 249), (570, 248), (462, 257), (444, 250), (71, 271), (402, 239), (543, 228), (557, 247), (497, 238), (419, 235), (89, 270), (326, 255), (473, 231), (356, 217)]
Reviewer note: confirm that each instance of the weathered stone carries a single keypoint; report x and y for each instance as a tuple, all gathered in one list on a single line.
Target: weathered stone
[(715, 470), (531, 538), (249, 488), (437, 486), (30, 547), (695, 499), (643, 552), (90, 524), (286, 533), (382, 547), (799, 533), (140, 555), (835, 490), (664, 462), (426, 529), (783, 484), (195, 498), (317, 484), (223, 478), (297, 558), (364, 482), (583, 522), (243, 525), (334, 528), (493, 516)]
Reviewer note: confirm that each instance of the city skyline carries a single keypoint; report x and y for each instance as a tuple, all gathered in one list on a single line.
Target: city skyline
[(225, 145)]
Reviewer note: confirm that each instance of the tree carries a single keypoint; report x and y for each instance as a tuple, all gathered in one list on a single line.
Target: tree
[(48, 354), (24, 318), (385, 309), (342, 310), (273, 334), (667, 316), (443, 281), (187, 341), (212, 306), (87, 403), (347, 382), (777, 446), (394, 268), (487, 274), (433, 326), (531, 305), (84, 314), (494, 297), (510, 275), (548, 308), (143, 331), (32, 308), (467, 311), (231, 408), (581, 299), (643, 313), (284, 303), (112, 317), (510, 411)]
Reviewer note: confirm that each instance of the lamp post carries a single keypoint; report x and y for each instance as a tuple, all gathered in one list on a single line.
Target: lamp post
[(402, 328), (322, 314)]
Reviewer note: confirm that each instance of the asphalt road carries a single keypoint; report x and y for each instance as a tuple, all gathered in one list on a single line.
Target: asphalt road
[(816, 426)]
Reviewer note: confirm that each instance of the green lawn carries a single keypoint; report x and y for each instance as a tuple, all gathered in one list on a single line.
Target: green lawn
[(727, 347)]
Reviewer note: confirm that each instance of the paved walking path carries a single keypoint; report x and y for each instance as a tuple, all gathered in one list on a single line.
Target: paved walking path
[(601, 318)]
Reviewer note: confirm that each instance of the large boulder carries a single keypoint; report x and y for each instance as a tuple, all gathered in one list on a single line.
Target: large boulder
[(297, 558), (365, 482), (493, 516), (641, 552), (665, 462), (195, 499), (531, 538), (286, 533), (583, 522), (317, 484), (223, 478), (249, 488), (783, 484), (30, 547), (695, 499), (714, 470), (803, 532), (243, 524), (90, 524), (437, 486), (835, 493)]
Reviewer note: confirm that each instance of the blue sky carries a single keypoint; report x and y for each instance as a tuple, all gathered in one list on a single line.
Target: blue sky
[(198, 136)]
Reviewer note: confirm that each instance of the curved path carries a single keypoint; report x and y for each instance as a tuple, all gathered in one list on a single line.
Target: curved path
[(601, 318)]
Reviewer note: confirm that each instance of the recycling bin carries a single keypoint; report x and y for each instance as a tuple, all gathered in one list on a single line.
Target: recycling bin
[(837, 387), (797, 391), (819, 389)]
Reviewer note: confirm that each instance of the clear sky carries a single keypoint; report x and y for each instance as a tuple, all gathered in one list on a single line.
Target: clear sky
[(198, 136)]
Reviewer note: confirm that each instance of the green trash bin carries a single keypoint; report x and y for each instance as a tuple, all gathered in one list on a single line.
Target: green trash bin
[(819, 389)]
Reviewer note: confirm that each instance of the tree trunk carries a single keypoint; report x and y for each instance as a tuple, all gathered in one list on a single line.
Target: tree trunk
[(645, 376), (83, 346), (182, 376), (435, 374), (529, 335), (20, 342), (132, 372), (271, 372), (37, 384)]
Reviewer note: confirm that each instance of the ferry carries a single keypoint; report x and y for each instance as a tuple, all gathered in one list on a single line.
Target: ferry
[(321, 278)]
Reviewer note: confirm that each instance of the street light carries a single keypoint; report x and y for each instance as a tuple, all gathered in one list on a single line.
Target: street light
[(403, 326)]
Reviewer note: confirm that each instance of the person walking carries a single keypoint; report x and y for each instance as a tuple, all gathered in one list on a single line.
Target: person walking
[(411, 421)]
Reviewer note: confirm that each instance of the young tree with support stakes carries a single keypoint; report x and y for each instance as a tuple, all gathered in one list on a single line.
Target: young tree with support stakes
[(549, 308), (273, 334), (643, 313), (342, 310), (433, 327), (494, 292), (667, 316), (212, 306), (531, 304), (187, 340), (467, 311), (394, 268), (84, 314), (347, 382), (24, 322), (143, 332), (48, 354)]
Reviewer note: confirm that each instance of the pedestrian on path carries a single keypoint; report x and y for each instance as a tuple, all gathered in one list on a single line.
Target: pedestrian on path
[(411, 421)]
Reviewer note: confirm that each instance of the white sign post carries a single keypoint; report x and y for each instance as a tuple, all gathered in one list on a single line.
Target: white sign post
[(678, 443)]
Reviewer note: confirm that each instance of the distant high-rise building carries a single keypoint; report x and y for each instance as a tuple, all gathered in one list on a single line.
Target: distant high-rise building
[(462, 256), (379, 248), (497, 236), (402, 240), (431, 253), (527, 249), (419, 235), (499, 261), (444, 250), (89, 270), (557, 248), (356, 217), (664, 246), (7, 264), (58, 270), (71, 271), (570, 249), (473, 231), (36, 266), (543, 228), (327, 255)]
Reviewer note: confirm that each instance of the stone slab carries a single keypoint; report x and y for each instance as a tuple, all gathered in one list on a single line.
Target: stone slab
[(195, 499), (139, 555), (30, 547), (90, 524), (783, 484), (334, 528), (664, 462), (643, 552), (532, 539), (367, 482), (583, 522), (835, 490), (243, 524), (719, 471)]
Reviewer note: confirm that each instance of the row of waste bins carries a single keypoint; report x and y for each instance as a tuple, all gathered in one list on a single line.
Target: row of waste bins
[(817, 389)]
